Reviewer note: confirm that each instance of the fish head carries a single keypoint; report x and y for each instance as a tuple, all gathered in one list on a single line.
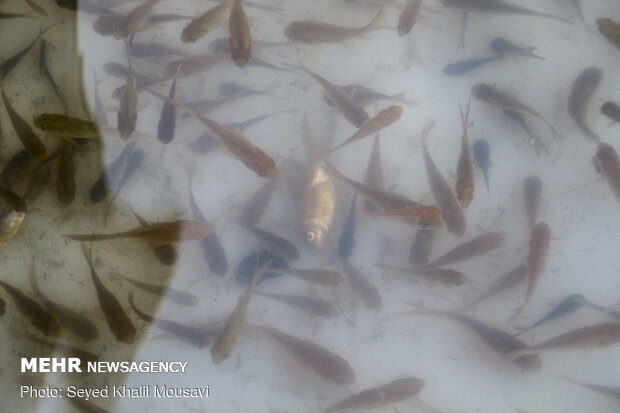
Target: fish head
[(315, 237), (291, 31), (606, 156), (264, 166), (604, 24), (480, 91), (529, 362), (40, 122)]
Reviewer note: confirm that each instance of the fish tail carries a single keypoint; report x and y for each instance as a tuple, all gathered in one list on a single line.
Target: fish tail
[(402, 98), (377, 22), (530, 51)]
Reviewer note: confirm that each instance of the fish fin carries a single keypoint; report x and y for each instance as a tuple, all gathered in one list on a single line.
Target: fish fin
[(402, 98), (377, 22)]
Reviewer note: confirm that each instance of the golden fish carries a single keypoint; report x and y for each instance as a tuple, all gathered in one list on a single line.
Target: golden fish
[(607, 161), (316, 206), (408, 17), (11, 215), (119, 323), (240, 40), (226, 338), (203, 24), (464, 186), (314, 306), (610, 30), (477, 246), (66, 126), (583, 89), (532, 191), (40, 318)]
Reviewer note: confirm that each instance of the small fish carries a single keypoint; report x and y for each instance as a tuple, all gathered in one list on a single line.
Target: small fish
[(132, 22), (319, 360), (591, 337), (535, 140), (373, 125), (66, 126), (583, 89), (497, 7), (611, 110), (421, 247), (226, 337), (14, 15), (240, 40), (496, 339), (451, 212), (168, 117), (503, 47), (8, 64), (157, 234), (111, 174), (198, 337), (37, 184), (121, 71), (16, 169), (46, 72), (316, 206), (363, 289), (317, 32), (464, 186), (532, 191), (73, 321), (154, 49), (210, 245), (365, 96), (250, 263), (352, 111), (477, 246), (314, 306), (26, 135), (257, 204), (510, 280), (238, 145), (231, 89), (498, 98), (346, 242), (12, 215), (374, 172), (65, 183), (466, 66), (394, 392), (439, 275), (119, 323), (221, 44), (165, 253), (610, 30), (179, 297), (482, 156), (608, 163), (408, 17), (275, 244), (210, 20), (40, 318), (536, 257), (567, 306), (128, 111), (605, 390), (37, 9), (323, 277)]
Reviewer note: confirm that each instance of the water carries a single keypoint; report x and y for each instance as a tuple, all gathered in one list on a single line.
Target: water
[(461, 374)]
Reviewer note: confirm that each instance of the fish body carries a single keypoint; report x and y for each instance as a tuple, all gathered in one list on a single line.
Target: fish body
[(316, 206), (134, 20), (477, 246), (318, 32), (323, 277), (373, 125), (314, 306), (466, 66), (194, 65), (230, 89), (510, 280), (608, 163), (240, 40), (482, 154), (26, 135), (119, 323), (365, 96), (583, 89), (535, 140), (157, 234), (567, 306), (408, 17), (40, 318), (464, 186), (609, 29), (206, 22), (111, 174), (363, 289), (275, 244), (167, 119), (12, 214), (128, 112), (497, 7), (16, 169), (346, 242), (319, 360), (66, 126), (439, 275), (532, 190), (374, 172), (421, 247), (605, 390), (502, 47), (46, 72), (394, 392), (611, 110), (448, 205)]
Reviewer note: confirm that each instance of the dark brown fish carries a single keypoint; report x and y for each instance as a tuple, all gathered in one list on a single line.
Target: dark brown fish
[(65, 182), (394, 392), (26, 135), (190, 66), (318, 32), (12, 214), (464, 186), (134, 20), (199, 337), (73, 321), (8, 64), (609, 29), (66, 126), (314, 306), (210, 20), (611, 110), (275, 244), (37, 184), (502, 46), (408, 17), (119, 323), (421, 247), (496, 339), (477, 246), (510, 280), (165, 253), (323, 277), (40, 318), (363, 289), (609, 165), (319, 360), (451, 212), (158, 234), (532, 191), (111, 175), (374, 172), (168, 117), (16, 169), (583, 89), (439, 275), (48, 75), (240, 40)]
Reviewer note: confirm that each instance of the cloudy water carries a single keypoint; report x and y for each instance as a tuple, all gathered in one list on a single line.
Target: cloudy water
[(215, 212)]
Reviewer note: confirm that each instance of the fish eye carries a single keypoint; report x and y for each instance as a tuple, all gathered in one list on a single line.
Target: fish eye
[(310, 236)]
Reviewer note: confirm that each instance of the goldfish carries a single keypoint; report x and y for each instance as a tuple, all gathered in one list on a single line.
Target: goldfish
[(611, 110), (374, 172), (610, 30), (477, 246), (206, 22), (583, 89), (323, 277), (66, 126), (318, 32), (451, 212), (316, 206), (421, 247), (464, 186), (502, 47), (26, 135), (567, 306), (439, 275), (608, 163), (314, 306), (346, 242), (532, 191), (226, 337), (240, 40), (40, 318), (408, 17), (158, 234)]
